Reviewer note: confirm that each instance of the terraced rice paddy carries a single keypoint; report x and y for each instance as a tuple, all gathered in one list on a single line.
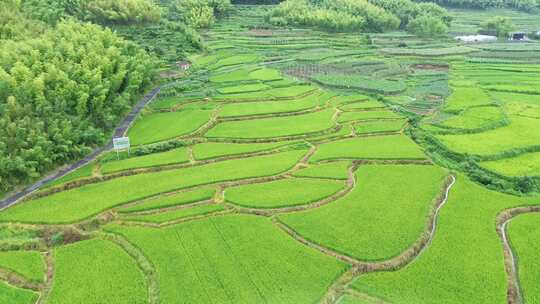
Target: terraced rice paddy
[(524, 233), (304, 167), (364, 216)]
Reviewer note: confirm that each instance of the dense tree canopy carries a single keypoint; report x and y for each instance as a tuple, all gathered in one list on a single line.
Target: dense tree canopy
[(498, 25), (61, 91), (518, 4), (99, 11), (360, 15), (199, 13)]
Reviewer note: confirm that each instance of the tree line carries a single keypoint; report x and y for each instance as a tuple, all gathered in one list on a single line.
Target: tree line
[(68, 75), (424, 19), (67, 78), (62, 90), (525, 5)]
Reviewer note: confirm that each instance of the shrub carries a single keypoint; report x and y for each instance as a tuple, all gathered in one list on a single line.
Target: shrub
[(356, 15), (427, 26), (500, 26), (199, 13)]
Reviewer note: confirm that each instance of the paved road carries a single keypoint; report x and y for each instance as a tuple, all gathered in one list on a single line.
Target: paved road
[(118, 132)]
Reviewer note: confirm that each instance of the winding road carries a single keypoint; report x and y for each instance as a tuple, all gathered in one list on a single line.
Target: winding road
[(120, 130)]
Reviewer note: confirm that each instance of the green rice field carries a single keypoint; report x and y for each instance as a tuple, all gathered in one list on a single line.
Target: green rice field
[(288, 164)]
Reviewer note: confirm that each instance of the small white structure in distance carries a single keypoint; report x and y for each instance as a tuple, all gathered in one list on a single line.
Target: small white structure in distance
[(121, 144), (476, 38)]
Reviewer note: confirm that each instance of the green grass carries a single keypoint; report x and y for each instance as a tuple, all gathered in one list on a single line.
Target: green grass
[(360, 82), (274, 107), (473, 118), (367, 115), (384, 214), (180, 198), (96, 271), (10, 294), (161, 126), (463, 264), (516, 98), (13, 234), (523, 165), (186, 101), (246, 74), (163, 217), (80, 203), (236, 59), (349, 100), (524, 235), (521, 133), (373, 147), (429, 52), (380, 126), (174, 156), (241, 74), (216, 149), (82, 172), (531, 88), (334, 170), (265, 74), (348, 299), (467, 21), (463, 98), (275, 93), (525, 109), (218, 260), (282, 193), (275, 127), (244, 88), (29, 264), (368, 104)]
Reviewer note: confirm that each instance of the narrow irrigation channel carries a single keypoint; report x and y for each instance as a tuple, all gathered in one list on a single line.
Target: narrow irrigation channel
[(514, 292), (120, 130)]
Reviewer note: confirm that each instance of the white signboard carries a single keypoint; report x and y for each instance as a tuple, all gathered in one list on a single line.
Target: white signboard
[(120, 144)]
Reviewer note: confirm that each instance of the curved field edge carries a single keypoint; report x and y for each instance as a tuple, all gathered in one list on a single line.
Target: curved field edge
[(84, 202), (476, 273), (233, 255), (369, 213), (106, 271)]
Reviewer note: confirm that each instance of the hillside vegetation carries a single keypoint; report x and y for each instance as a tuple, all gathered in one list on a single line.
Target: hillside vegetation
[(363, 15)]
